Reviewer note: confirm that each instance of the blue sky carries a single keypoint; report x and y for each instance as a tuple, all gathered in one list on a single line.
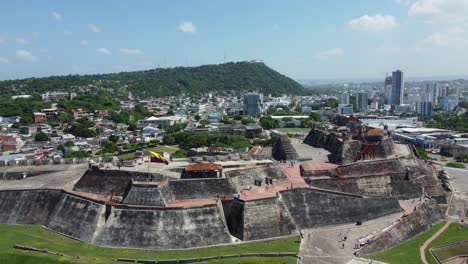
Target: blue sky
[(302, 39)]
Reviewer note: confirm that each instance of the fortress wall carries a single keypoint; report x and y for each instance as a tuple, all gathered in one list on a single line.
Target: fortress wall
[(311, 208), (393, 185), (76, 217), (200, 188), (242, 179), (108, 182), (141, 194), (234, 215), (417, 222), (385, 148), (370, 167), (266, 218), (28, 206), (163, 229)]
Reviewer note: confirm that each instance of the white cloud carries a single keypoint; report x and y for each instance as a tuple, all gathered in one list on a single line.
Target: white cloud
[(131, 51), (187, 27), (4, 61), (104, 51), (67, 33), (440, 11), (21, 41), (84, 42), (93, 28), (374, 23), (453, 38), (25, 55), (57, 16), (336, 52)]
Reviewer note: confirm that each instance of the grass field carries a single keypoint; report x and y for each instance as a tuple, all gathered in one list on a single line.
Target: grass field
[(294, 130), (407, 252), (452, 234), (446, 253), (37, 237), (131, 155)]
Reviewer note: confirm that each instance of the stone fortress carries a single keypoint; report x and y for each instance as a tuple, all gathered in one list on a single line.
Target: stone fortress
[(352, 178)]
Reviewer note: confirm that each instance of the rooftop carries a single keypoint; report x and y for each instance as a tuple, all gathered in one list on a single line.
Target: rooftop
[(203, 167), (318, 166)]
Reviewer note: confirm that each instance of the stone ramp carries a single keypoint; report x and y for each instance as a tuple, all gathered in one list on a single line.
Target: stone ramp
[(312, 208), (416, 223), (163, 229), (374, 185)]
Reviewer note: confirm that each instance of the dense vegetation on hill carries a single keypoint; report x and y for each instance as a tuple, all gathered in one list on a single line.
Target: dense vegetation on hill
[(451, 121), (239, 76)]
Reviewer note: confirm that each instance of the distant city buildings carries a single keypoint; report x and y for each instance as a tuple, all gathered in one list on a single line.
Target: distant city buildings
[(253, 104), (345, 109), (56, 96), (397, 88), (424, 109), (362, 101), (344, 98), (449, 103), (388, 89)]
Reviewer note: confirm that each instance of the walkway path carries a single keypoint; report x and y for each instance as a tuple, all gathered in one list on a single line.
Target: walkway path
[(422, 250)]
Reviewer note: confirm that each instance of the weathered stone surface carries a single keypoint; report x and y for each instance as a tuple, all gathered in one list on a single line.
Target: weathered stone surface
[(200, 188), (250, 220), (112, 182), (163, 229), (311, 208), (144, 194), (244, 178), (417, 222), (380, 185)]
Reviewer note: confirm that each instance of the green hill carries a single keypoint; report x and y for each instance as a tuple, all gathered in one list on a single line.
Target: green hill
[(239, 76)]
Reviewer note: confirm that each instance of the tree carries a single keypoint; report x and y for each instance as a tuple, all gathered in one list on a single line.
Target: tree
[(197, 117), (314, 116), (204, 122), (41, 137), (268, 123), (113, 138)]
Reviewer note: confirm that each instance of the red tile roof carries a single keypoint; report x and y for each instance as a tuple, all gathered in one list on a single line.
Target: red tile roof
[(319, 166), (203, 167)]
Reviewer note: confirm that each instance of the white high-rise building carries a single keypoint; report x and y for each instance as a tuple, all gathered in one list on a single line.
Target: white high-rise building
[(344, 98)]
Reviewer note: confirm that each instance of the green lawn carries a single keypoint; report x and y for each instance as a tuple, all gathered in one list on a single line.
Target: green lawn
[(407, 252), (450, 235), (294, 130), (160, 148), (446, 253), (37, 237)]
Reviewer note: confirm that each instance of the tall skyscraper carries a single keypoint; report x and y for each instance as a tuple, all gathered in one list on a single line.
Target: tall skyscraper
[(362, 101), (435, 94), (397, 87), (388, 89), (344, 98), (253, 104)]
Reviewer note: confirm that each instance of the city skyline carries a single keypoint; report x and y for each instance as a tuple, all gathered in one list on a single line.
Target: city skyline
[(299, 39)]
